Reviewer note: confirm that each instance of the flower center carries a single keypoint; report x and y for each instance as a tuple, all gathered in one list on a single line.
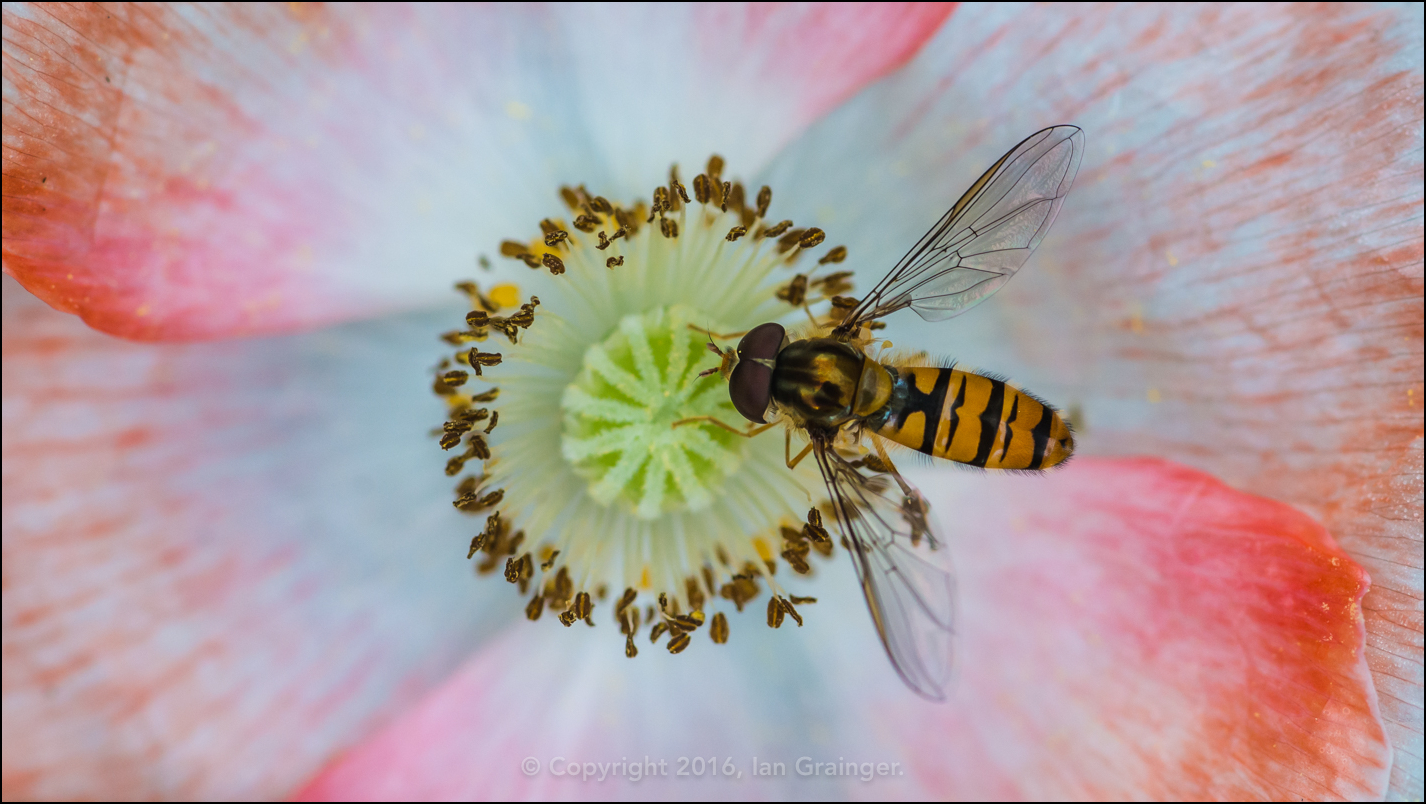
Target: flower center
[(620, 410), (561, 414)]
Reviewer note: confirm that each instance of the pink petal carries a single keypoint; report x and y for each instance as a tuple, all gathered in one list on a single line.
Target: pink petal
[(222, 562), (1235, 281), (1128, 629), (1188, 642), (180, 173)]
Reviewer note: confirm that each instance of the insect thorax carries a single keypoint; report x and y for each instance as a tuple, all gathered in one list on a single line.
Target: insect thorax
[(816, 380)]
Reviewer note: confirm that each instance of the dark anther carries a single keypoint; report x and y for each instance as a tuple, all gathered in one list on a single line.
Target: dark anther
[(764, 200), (789, 240), (661, 203), (719, 629), (557, 236), (794, 292), (626, 600), (586, 223), (791, 612), (472, 501), (701, 190), (735, 233), (737, 198), (613, 261), (669, 227), (835, 255), (774, 613), (626, 219), (512, 248), (812, 237), (476, 358), (478, 448), (458, 337), (485, 537), (777, 230), (814, 529), (833, 284), (555, 264), (796, 557)]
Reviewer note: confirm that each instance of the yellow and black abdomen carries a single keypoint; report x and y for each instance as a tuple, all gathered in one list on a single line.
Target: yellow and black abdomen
[(975, 420)]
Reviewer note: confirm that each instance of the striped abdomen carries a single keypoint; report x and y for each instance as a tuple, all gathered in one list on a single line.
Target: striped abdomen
[(975, 420)]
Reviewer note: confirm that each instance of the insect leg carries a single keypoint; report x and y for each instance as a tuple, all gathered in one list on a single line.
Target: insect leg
[(810, 317), (749, 433), (886, 459), (787, 452), (713, 334), (914, 508)]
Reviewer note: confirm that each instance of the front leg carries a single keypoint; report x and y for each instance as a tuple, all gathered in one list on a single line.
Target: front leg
[(749, 433), (787, 452)]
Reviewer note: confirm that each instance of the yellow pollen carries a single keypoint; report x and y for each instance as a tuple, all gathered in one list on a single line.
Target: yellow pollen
[(506, 295), (764, 550)]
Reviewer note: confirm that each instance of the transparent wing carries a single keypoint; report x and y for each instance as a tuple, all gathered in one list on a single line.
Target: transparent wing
[(984, 239), (911, 601)]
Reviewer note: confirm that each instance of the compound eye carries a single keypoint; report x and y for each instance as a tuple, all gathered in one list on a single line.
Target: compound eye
[(750, 385)]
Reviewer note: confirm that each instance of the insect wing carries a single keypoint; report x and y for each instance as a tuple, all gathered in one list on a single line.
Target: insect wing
[(911, 601), (983, 240)]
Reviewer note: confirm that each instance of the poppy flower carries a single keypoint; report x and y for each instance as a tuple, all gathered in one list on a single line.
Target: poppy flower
[(231, 563)]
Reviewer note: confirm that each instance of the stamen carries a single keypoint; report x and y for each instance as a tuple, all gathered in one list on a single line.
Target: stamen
[(811, 238), (776, 230), (587, 458), (719, 629)]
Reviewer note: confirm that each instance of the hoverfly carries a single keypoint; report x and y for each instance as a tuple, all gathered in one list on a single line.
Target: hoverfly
[(831, 389)]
